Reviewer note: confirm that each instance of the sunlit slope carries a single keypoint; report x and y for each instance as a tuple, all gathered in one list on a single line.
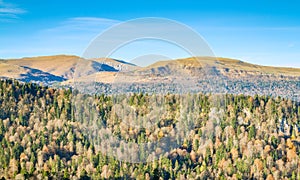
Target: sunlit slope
[(195, 67), (27, 74), (107, 70), (64, 66), (225, 66)]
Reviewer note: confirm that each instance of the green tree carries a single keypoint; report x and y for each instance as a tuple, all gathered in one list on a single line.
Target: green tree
[(251, 132)]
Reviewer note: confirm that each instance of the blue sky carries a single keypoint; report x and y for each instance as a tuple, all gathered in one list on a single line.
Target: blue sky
[(260, 32)]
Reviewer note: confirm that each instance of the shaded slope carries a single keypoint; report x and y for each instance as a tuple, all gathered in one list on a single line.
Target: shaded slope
[(27, 74), (117, 64), (64, 66)]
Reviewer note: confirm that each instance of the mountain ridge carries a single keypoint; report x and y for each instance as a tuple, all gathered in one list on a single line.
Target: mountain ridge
[(70, 66), (223, 63)]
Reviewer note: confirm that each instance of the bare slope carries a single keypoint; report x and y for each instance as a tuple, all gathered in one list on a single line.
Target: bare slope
[(117, 64), (195, 67), (27, 74), (225, 66), (62, 65), (104, 69)]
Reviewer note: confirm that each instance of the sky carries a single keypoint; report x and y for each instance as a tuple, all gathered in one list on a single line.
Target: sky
[(258, 31)]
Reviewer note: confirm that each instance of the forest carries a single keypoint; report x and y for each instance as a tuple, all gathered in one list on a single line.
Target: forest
[(55, 133)]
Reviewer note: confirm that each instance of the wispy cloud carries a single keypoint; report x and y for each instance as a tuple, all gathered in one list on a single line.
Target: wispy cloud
[(77, 30), (252, 28), (84, 24), (9, 12), (69, 36), (96, 20)]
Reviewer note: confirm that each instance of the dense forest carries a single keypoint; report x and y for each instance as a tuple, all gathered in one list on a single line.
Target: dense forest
[(44, 134)]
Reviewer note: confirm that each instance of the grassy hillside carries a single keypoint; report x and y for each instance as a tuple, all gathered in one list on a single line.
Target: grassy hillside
[(64, 66), (225, 65), (27, 74), (59, 65), (197, 74), (11, 71)]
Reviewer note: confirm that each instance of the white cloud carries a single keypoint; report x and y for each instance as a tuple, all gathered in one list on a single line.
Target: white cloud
[(89, 24), (9, 11), (96, 20)]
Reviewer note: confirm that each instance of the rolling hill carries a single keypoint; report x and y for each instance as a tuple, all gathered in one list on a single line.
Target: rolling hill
[(225, 66), (69, 67), (62, 65), (204, 74), (27, 74), (191, 68)]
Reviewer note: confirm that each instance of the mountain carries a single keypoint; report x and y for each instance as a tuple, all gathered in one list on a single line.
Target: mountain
[(195, 74), (198, 74), (11, 71), (224, 66), (195, 67), (27, 74), (117, 64), (69, 67), (62, 65), (59, 65), (58, 68)]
